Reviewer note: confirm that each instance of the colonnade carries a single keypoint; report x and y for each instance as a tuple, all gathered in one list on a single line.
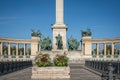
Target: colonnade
[(21, 47), (88, 50), (105, 50), (16, 48)]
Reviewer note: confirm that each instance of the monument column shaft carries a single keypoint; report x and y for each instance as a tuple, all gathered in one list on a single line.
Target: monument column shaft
[(59, 11), (59, 27)]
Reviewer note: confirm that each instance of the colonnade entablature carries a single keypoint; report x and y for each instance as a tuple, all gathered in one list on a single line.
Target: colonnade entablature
[(19, 48)]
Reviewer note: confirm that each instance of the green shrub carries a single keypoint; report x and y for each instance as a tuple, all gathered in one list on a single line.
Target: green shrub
[(43, 60), (61, 60)]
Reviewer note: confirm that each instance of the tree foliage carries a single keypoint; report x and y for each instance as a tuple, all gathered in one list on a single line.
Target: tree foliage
[(73, 44), (46, 44)]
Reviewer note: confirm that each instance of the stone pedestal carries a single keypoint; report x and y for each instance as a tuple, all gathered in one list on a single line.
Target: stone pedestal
[(87, 46), (35, 45), (50, 73), (59, 29)]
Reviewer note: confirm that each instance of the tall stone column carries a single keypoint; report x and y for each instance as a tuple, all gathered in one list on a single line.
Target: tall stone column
[(59, 11), (112, 49), (59, 27), (119, 48), (24, 49), (9, 50), (104, 49), (97, 49), (17, 49), (1, 50)]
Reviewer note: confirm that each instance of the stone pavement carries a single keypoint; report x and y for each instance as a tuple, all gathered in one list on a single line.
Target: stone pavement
[(80, 73), (77, 73)]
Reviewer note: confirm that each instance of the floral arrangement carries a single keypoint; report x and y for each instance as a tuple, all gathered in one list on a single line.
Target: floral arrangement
[(61, 60), (42, 60)]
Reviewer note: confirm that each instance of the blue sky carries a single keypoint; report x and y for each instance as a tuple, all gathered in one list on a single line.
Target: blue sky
[(18, 17)]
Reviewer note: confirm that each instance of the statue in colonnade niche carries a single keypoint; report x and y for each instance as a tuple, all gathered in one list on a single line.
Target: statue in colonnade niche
[(21, 53), (59, 42), (5, 52), (27, 53), (86, 33), (94, 53), (116, 53), (13, 52), (35, 34)]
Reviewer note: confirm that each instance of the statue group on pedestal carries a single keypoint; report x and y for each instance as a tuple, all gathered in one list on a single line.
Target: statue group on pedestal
[(86, 33), (36, 34)]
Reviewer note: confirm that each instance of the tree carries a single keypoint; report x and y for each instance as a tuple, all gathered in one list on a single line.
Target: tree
[(46, 44), (73, 44)]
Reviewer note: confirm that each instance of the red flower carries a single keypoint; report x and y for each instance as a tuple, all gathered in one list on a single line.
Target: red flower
[(43, 59)]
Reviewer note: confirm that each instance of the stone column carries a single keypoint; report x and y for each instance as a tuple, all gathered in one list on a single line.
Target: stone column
[(24, 49), (9, 50), (112, 49), (97, 49), (119, 49), (59, 27), (1, 50), (59, 11), (17, 49), (104, 49)]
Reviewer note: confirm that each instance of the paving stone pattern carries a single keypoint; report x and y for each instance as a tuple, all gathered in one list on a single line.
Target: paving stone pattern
[(77, 73)]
